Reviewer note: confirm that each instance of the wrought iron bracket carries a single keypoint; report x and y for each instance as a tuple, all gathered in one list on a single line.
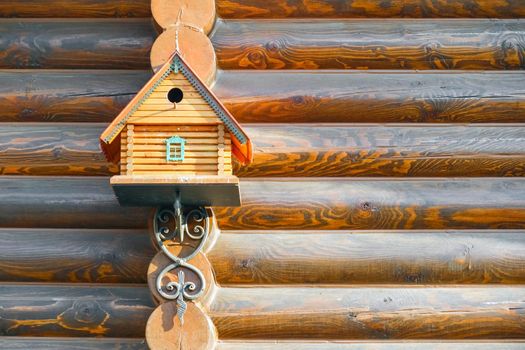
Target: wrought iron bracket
[(187, 228)]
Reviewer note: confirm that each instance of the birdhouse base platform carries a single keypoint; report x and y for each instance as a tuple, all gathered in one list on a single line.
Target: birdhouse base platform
[(164, 190)]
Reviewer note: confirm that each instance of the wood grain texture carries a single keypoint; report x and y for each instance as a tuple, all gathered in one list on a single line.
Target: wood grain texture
[(67, 255), (370, 345), (53, 149), (74, 310), (375, 96), (318, 203), (370, 9), (278, 96), (76, 43), (370, 313), (366, 44), (377, 204), (349, 257), (64, 343), (65, 202), (75, 8), (297, 150), (67, 95)]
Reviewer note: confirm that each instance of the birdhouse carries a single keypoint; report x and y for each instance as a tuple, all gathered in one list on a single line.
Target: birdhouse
[(175, 141)]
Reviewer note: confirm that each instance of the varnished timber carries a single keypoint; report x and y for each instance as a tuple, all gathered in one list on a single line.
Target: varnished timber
[(370, 345), (375, 96), (377, 204), (75, 8), (65, 202), (277, 257), (370, 313), (74, 255), (370, 9), (74, 310), (278, 96), (296, 150), (67, 95), (64, 343), (319, 203), (367, 44), (52, 149), (76, 43), (354, 257)]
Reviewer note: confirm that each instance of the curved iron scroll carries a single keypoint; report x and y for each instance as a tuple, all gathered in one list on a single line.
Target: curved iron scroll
[(187, 228)]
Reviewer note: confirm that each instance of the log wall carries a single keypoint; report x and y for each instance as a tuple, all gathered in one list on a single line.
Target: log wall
[(384, 209)]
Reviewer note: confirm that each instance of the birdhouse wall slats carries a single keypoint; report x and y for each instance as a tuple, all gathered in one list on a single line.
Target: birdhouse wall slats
[(165, 119), (180, 107), (162, 101)]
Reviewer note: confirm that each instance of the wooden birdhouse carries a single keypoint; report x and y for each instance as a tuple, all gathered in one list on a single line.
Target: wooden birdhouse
[(175, 139)]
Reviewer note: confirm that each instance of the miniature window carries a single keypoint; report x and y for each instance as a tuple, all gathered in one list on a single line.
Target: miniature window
[(175, 149)]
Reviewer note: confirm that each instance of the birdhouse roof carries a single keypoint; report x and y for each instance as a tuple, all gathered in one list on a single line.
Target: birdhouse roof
[(109, 139)]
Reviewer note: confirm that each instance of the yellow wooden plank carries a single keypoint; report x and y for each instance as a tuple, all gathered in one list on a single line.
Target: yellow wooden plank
[(161, 136), (162, 154), (162, 161), (163, 99), (160, 148), (175, 113), (178, 127), (166, 120), (158, 172), (175, 166), (177, 107)]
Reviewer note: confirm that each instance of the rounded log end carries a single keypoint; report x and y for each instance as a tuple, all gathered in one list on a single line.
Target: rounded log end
[(195, 46), (199, 14), (165, 331)]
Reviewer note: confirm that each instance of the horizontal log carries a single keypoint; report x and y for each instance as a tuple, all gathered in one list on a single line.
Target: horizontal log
[(378, 150), (370, 313), (377, 204), (75, 8), (74, 310), (76, 43), (56, 343), (53, 149), (289, 257), (374, 96), (67, 255), (284, 96), (366, 44), (370, 9), (370, 345), (65, 202), (295, 150), (320, 203), (67, 95)]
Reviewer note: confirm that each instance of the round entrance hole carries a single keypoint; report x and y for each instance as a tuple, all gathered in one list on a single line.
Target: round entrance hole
[(175, 95)]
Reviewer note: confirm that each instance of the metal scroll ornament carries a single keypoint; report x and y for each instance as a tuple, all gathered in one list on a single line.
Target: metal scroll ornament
[(187, 230)]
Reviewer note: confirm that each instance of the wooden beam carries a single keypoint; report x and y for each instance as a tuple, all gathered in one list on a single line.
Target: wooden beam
[(74, 255), (370, 44), (65, 202), (351, 257), (279, 257), (67, 95), (296, 150), (361, 204), (373, 96), (62, 343), (369, 9), (263, 97), (73, 310), (370, 345), (76, 43), (370, 313), (75, 8)]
